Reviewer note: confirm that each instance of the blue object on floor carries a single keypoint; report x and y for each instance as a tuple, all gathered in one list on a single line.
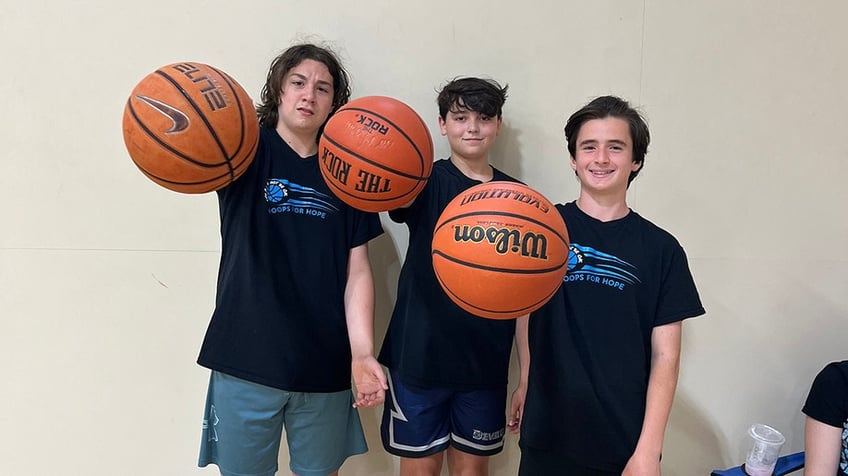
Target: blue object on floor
[(785, 465)]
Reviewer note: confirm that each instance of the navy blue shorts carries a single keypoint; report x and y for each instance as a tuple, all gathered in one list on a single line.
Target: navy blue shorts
[(419, 422)]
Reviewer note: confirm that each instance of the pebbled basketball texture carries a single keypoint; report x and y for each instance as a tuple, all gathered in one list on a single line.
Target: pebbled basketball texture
[(190, 127), (500, 250), (376, 153)]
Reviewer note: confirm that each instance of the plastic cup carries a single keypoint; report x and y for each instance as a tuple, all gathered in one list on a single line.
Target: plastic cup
[(765, 450)]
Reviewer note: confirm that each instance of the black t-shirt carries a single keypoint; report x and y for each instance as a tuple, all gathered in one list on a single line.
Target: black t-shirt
[(590, 345), (431, 341), (827, 402), (279, 316)]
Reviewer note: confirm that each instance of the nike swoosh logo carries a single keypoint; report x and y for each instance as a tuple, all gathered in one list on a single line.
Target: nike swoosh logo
[(179, 119)]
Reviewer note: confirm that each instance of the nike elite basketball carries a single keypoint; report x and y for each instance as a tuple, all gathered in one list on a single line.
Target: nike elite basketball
[(376, 153), (500, 250), (190, 127)]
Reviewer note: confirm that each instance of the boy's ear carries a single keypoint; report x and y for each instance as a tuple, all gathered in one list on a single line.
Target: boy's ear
[(573, 162), (442, 128)]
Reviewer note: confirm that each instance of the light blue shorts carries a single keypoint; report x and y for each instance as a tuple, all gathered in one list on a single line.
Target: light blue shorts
[(243, 423)]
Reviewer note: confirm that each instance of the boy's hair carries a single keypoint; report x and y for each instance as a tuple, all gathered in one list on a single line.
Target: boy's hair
[(485, 96), (611, 106), (280, 67)]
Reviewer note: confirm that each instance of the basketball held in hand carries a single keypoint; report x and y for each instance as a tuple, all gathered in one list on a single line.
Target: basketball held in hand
[(376, 153), (500, 250), (190, 127)]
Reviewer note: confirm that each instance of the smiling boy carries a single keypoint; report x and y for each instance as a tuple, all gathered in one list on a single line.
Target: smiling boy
[(605, 350)]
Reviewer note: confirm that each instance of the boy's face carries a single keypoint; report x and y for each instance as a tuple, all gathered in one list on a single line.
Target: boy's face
[(306, 98), (604, 156), (470, 134)]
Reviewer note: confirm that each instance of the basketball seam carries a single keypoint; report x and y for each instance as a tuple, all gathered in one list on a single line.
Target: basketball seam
[(499, 270), (163, 180), (512, 313), (372, 162), (203, 118), (164, 144), (230, 81), (401, 131), (414, 190), (157, 178)]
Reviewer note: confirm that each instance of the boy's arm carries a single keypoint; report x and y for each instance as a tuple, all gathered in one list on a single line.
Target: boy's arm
[(368, 376), (522, 347), (822, 445), (662, 382)]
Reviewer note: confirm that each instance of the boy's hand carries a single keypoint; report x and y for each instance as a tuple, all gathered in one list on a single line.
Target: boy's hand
[(369, 381), (642, 465), (516, 409)]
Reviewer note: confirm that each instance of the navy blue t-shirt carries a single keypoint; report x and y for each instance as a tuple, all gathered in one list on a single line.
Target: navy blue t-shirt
[(432, 342), (590, 345), (279, 316)]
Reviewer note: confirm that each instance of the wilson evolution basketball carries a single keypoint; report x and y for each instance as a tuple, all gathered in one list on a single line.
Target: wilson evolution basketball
[(190, 127), (500, 250), (376, 153)]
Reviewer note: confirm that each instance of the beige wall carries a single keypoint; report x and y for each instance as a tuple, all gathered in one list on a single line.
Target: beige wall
[(107, 281)]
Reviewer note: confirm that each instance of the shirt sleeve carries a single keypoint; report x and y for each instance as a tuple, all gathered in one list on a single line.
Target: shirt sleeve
[(366, 226), (827, 400), (679, 297)]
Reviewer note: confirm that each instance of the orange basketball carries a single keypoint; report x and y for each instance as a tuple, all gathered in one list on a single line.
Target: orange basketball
[(376, 153), (500, 250), (190, 127)]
